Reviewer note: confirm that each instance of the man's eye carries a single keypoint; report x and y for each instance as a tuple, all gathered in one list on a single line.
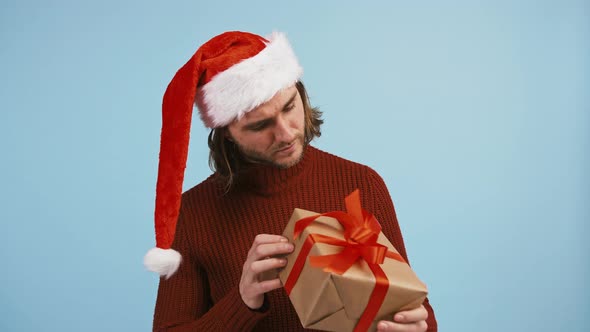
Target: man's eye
[(258, 127), (288, 108)]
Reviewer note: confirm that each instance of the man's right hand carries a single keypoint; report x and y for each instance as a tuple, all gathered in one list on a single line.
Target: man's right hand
[(262, 258)]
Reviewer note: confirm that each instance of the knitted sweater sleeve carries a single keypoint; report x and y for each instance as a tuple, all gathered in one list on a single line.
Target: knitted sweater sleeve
[(379, 203), (184, 302)]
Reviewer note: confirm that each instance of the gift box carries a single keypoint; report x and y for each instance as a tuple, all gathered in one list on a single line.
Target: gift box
[(344, 274)]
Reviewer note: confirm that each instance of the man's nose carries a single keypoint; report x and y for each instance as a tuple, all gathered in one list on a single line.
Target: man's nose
[(283, 133)]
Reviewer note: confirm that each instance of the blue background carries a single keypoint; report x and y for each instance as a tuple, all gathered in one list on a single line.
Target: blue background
[(477, 115)]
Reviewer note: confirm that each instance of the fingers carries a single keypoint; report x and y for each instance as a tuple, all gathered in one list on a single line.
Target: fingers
[(261, 258), (268, 238), (266, 250), (267, 285), (253, 294), (410, 316), (406, 321), (266, 245), (260, 266), (386, 326)]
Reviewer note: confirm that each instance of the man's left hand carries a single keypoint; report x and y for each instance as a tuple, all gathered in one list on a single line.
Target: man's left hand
[(406, 321)]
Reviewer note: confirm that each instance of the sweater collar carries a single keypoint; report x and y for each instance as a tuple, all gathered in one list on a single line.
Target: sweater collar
[(268, 179)]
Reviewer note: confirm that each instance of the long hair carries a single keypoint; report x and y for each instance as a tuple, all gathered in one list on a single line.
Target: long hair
[(225, 157)]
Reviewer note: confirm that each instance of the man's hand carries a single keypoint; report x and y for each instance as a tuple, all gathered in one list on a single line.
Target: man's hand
[(406, 321), (260, 259)]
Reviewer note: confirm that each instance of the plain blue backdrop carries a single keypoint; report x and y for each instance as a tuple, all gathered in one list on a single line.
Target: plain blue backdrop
[(476, 114)]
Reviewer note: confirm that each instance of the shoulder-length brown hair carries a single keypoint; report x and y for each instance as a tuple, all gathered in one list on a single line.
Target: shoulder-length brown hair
[(227, 161)]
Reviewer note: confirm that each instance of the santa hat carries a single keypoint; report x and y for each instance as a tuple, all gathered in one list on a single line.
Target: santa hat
[(227, 77)]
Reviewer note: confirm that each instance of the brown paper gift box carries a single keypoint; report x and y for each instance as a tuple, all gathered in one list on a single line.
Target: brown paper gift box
[(332, 302)]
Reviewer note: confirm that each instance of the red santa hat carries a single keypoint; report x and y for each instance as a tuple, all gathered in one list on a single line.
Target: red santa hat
[(227, 77)]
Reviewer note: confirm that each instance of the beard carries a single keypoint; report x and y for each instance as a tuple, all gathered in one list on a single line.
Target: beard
[(268, 158)]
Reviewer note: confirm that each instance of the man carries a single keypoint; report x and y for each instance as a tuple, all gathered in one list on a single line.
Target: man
[(248, 90)]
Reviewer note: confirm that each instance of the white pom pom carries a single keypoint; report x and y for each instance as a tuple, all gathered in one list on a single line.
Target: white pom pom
[(162, 261)]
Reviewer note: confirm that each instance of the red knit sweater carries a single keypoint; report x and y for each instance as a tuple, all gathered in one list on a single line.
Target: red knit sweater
[(216, 230)]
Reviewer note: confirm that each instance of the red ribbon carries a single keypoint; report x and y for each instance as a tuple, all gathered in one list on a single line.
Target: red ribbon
[(361, 230)]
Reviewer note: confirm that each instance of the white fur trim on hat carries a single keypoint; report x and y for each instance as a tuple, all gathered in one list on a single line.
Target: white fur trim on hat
[(162, 261), (249, 83)]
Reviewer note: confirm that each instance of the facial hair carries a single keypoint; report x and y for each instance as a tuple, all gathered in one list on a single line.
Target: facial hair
[(268, 159)]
